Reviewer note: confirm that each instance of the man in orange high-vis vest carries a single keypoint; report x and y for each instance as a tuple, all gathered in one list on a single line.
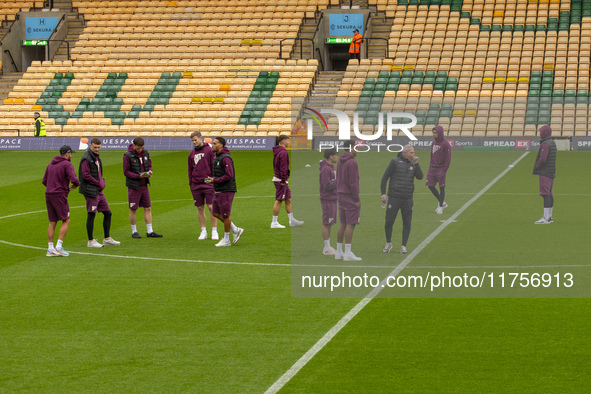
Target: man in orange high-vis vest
[(355, 47)]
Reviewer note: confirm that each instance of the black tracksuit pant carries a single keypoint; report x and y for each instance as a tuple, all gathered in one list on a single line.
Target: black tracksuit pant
[(405, 206)]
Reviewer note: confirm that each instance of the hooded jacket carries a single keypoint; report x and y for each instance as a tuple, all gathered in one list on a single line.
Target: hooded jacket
[(281, 163), (58, 175), (91, 174), (348, 176), (546, 160), (328, 181), (440, 153), (401, 174), (200, 164), (134, 165)]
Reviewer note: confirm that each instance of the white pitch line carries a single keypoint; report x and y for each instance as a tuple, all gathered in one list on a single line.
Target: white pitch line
[(300, 265), (150, 258), (290, 373)]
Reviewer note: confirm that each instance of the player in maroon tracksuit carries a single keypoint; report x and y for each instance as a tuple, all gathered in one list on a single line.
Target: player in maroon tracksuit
[(328, 197), (224, 183), (349, 202), (137, 168), (438, 166), (545, 168), (58, 176), (281, 175), (200, 164)]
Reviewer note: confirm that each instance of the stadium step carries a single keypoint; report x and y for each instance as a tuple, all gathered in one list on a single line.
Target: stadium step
[(7, 83), (325, 89), (76, 25), (380, 35), (303, 49)]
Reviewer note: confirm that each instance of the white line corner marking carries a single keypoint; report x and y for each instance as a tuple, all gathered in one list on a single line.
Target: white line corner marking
[(290, 373)]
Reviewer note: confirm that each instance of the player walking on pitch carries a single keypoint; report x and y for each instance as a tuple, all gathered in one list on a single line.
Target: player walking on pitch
[(438, 166), (224, 182), (281, 175)]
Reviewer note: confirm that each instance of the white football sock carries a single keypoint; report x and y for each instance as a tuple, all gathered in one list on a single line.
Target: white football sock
[(227, 237), (133, 228), (327, 243), (290, 216), (50, 246), (233, 226), (340, 247), (275, 219), (347, 248), (149, 226), (59, 244)]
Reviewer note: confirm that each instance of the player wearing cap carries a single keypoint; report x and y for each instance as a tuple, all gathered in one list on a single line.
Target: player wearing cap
[(92, 185), (59, 179)]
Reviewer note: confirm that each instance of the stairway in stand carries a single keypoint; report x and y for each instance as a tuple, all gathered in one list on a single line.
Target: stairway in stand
[(75, 27), (7, 83), (324, 91)]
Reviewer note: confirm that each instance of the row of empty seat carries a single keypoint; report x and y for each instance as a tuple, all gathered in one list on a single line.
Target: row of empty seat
[(115, 32), (375, 86), (244, 99)]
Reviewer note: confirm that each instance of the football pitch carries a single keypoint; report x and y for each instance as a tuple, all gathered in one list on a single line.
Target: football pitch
[(180, 315)]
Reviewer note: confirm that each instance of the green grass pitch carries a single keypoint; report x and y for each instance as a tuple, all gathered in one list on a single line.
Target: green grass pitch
[(180, 315)]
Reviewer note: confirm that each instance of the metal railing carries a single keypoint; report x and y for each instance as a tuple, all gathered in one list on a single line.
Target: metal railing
[(387, 51), (320, 59), (16, 18), (11, 59), (301, 47), (67, 46), (63, 18), (317, 26), (18, 131), (367, 22)]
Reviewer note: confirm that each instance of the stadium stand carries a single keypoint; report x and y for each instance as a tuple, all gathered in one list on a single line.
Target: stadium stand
[(478, 68), (158, 67), (497, 68)]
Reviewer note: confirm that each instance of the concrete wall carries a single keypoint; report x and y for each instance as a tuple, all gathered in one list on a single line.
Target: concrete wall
[(323, 32), (12, 43), (12, 40)]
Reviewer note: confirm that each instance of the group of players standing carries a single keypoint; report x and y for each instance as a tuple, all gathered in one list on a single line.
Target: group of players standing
[(212, 183), (397, 188), (342, 187), (211, 179)]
